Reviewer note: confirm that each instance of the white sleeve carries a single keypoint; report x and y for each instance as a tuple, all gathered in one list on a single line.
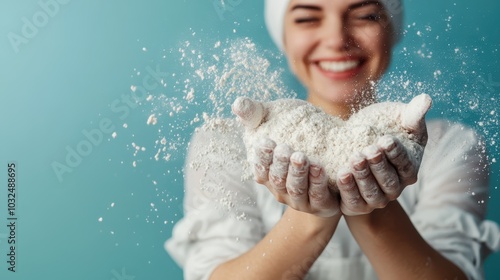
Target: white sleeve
[(221, 220), (451, 205)]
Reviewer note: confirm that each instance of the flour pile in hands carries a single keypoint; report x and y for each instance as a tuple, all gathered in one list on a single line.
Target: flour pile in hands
[(329, 140)]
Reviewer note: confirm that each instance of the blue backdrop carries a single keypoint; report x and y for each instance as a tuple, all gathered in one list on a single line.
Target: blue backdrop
[(97, 190)]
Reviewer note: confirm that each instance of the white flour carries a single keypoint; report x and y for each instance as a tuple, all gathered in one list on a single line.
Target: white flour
[(326, 139)]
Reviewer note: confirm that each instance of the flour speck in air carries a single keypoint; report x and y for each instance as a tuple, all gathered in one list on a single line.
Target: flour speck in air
[(152, 120)]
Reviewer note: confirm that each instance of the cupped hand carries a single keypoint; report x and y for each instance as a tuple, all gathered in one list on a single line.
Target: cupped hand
[(294, 180), (379, 173)]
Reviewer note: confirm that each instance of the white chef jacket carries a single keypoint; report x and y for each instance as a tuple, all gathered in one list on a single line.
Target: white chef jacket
[(225, 216)]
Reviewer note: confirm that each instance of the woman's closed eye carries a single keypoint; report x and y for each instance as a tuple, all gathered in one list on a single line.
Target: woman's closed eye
[(371, 17), (306, 20)]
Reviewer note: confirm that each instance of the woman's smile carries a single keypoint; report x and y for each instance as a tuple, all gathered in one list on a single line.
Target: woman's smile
[(340, 68)]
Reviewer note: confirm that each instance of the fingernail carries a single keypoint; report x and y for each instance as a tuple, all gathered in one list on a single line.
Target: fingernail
[(297, 165), (345, 178), (315, 170), (372, 153), (266, 144), (282, 153), (298, 160), (358, 162), (387, 143)]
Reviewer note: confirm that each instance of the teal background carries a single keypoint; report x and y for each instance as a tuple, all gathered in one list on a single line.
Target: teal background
[(65, 79)]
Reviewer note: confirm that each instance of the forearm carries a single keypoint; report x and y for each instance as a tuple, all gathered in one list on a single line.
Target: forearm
[(395, 248), (289, 249)]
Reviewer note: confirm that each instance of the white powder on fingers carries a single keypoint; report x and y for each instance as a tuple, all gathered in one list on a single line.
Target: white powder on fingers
[(327, 139)]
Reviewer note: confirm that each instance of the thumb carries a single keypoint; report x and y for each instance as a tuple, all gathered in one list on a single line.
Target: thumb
[(250, 113), (413, 116)]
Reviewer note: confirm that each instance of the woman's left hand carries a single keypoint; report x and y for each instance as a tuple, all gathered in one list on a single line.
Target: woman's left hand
[(375, 177), (380, 172)]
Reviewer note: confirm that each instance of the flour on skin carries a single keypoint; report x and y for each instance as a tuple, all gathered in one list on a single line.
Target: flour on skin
[(329, 140)]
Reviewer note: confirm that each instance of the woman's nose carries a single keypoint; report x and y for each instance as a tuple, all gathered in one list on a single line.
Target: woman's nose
[(335, 35)]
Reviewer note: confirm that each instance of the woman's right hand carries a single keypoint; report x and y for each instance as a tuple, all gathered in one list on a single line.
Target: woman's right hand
[(294, 180)]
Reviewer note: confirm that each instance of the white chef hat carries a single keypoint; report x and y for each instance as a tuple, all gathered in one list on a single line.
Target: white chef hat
[(275, 14)]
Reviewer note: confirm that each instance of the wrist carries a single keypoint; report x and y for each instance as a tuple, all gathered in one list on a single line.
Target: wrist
[(311, 224), (379, 219)]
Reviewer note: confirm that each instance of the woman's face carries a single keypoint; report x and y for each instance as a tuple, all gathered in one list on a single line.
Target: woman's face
[(338, 49)]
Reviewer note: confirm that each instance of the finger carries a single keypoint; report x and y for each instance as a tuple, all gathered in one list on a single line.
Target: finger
[(250, 113), (350, 197), (297, 179), (399, 157), (318, 184), (413, 117), (367, 185), (263, 150), (320, 195), (384, 173), (279, 168)]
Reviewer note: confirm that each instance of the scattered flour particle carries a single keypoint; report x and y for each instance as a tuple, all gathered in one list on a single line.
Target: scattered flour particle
[(133, 88), (113, 135), (152, 120), (125, 125), (100, 219), (195, 119), (144, 49), (163, 141), (200, 74), (437, 73), (157, 155), (112, 204), (190, 95), (134, 164), (149, 98)]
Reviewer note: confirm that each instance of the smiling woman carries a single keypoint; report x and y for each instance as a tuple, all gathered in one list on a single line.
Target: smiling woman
[(338, 49), (387, 215)]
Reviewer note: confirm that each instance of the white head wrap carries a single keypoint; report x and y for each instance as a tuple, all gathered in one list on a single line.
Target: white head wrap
[(275, 15)]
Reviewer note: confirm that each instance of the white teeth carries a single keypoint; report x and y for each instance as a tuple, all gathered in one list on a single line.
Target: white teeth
[(338, 66)]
